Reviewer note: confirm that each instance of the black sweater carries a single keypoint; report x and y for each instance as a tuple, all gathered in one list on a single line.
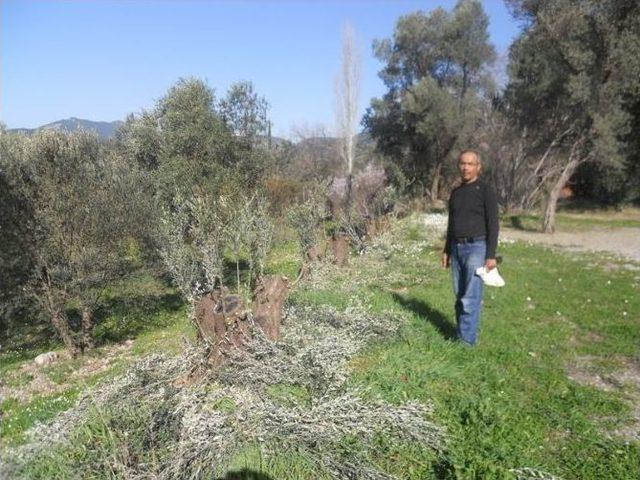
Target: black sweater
[(473, 211)]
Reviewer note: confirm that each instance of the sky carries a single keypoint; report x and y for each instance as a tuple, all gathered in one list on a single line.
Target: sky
[(103, 59)]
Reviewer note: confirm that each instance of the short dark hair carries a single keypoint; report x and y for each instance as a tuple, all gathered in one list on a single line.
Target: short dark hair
[(470, 150)]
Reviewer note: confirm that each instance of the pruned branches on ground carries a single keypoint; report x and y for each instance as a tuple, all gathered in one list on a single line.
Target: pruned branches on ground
[(198, 429)]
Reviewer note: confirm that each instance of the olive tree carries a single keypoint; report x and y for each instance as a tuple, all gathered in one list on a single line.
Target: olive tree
[(17, 240), (574, 78), (192, 140), (84, 206), (435, 72)]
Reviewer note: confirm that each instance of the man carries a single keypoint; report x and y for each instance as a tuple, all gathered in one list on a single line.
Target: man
[(472, 237)]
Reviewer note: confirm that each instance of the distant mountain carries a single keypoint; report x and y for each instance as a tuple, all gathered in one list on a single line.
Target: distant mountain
[(104, 129), (107, 130)]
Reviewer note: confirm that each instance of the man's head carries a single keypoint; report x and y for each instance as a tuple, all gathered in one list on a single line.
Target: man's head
[(469, 165)]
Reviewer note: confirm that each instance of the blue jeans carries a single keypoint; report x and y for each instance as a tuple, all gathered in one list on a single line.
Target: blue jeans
[(467, 287)]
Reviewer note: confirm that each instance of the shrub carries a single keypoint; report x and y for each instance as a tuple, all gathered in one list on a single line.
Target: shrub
[(282, 193)]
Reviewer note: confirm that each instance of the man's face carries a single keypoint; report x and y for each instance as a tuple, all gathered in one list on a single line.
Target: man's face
[(469, 167)]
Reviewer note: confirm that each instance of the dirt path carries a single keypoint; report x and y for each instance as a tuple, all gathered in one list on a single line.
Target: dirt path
[(621, 241)]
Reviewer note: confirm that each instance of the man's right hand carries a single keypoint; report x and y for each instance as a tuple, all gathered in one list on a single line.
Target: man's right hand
[(446, 260)]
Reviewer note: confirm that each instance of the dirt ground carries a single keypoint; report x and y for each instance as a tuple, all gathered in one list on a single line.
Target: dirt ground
[(620, 241), (38, 382)]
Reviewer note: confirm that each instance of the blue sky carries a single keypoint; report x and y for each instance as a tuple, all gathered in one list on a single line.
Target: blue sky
[(100, 60)]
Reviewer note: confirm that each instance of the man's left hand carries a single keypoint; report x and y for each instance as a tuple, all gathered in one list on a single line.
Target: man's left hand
[(490, 264)]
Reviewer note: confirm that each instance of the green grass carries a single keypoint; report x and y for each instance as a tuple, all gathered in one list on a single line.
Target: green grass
[(17, 417), (507, 403), (289, 395), (284, 259)]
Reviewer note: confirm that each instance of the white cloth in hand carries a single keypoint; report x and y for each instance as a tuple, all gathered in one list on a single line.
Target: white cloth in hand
[(490, 277)]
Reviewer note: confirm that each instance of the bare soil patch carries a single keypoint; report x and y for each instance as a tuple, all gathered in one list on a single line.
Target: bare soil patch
[(624, 242), (39, 383)]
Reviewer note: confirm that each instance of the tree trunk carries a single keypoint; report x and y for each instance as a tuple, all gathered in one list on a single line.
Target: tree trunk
[(340, 249), (87, 329), (435, 181), (314, 254), (269, 298), (59, 321), (237, 274), (465, 82), (549, 221), (349, 190), (221, 322)]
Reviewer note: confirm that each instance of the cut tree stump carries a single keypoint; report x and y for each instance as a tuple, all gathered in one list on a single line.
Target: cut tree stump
[(224, 320), (314, 254), (270, 295), (340, 249)]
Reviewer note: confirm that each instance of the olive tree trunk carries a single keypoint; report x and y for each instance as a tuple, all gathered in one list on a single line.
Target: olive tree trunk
[(225, 321), (549, 221), (435, 182), (87, 329), (61, 324)]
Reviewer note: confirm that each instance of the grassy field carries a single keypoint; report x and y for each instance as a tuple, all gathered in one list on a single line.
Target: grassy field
[(554, 383)]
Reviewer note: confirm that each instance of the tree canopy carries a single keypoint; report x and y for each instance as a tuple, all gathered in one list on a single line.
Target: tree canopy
[(435, 73)]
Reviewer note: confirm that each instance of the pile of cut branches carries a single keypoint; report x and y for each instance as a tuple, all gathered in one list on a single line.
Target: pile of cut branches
[(160, 427)]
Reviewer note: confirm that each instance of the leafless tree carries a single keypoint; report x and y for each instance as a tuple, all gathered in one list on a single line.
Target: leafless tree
[(347, 89)]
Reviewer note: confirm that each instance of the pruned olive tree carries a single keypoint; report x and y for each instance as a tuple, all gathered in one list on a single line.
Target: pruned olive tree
[(193, 239), (306, 218)]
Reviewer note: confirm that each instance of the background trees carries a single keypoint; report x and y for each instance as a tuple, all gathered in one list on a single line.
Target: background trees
[(16, 254), (572, 81), (435, 75), (568, 113), (78, 202), (191, 140)]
